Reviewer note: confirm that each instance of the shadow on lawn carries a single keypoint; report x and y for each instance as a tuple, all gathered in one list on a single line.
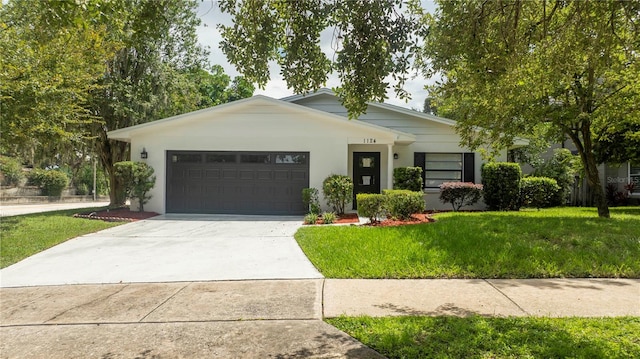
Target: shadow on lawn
[(489, 337)]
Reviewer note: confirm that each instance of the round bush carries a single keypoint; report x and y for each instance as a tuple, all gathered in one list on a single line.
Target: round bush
[(460, 194), (371, 205), (538, 192), (52, 182), (337, 190), (11, 170), (401, 204)]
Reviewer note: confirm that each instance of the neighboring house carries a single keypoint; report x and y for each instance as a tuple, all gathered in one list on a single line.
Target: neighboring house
[(254, 156)]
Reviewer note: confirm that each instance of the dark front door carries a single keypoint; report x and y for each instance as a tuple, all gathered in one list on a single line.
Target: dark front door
[(366, 173)]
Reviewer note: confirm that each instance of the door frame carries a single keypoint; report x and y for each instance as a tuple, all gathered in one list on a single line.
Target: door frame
[(357, 172)]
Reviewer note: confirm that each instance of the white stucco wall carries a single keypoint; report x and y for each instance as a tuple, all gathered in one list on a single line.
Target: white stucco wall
[(259, 126)]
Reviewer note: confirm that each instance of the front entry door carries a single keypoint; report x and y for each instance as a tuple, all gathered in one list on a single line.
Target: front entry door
[(366, 173)]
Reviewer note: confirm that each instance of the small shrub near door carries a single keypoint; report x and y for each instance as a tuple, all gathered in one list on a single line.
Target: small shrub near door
[(401, 204), (371, 205), (538, 192), (310, 218), (328, 217), (338, 190), (501, 185), (409, 178), (460, 194)]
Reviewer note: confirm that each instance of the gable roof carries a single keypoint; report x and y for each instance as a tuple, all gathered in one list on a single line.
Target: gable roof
[(386, 106), (125, 134), (518, 141)]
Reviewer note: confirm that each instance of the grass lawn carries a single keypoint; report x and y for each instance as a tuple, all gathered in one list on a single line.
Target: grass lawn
[(26, 235), (556, 242), (480, 337)]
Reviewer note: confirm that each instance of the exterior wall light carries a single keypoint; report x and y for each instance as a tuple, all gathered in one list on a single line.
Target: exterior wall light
[(395, 156), (144, 153)]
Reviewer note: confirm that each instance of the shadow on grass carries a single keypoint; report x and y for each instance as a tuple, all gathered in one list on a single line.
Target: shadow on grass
[(475, 337)]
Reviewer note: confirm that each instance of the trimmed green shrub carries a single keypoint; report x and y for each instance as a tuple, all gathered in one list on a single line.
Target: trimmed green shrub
[(401, 204), (310, 218), (338, 191), (538, 192), (371, 205), (52, 182), (409, 178), (561, 167), (460, 194), (138, 180), (311, 199), (82, 189), (328, 217), (11, 170), (501, 184)]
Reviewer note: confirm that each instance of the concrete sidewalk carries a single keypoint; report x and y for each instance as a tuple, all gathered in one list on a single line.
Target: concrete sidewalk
[(269, 318)]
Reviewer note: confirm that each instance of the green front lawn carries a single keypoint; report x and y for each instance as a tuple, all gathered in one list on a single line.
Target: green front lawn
[(556, 242), (480, 337), (26, 235)]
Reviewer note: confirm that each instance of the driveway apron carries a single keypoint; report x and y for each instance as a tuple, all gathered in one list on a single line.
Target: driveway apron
[(171, 248)]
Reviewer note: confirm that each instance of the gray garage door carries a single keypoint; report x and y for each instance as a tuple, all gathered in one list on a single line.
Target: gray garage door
[(236, 182)]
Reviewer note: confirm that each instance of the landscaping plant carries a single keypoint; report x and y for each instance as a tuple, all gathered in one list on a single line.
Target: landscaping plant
[(501, 184), (409, 178), (562, 168), (310, 218), (371, 205), (338, 191), (52, 182), (328, 217), (538, 192), (460, 194), (311, 199), (138, 179), (11, 170), (401, 204)]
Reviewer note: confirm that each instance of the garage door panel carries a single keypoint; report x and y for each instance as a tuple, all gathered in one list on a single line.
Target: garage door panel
[(236, 182)]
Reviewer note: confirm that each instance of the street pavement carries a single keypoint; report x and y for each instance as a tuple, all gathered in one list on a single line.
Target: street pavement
[(270, 318), (7, 210)]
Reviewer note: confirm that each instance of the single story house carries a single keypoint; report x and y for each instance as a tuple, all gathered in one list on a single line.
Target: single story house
[(254, 156)]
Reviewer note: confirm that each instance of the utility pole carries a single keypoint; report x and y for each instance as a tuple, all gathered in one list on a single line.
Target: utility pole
[(94, 178)]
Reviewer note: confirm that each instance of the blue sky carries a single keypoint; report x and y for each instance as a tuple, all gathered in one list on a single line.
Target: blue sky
[(209, 36)]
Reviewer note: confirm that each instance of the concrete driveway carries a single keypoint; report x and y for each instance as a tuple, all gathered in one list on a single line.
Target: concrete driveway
[(171, 248)]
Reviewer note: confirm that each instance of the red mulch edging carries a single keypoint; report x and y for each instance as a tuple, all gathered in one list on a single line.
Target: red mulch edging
[(416, 218), (117, 215)]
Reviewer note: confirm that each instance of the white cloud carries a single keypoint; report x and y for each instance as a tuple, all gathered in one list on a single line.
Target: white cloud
[(209, 36)]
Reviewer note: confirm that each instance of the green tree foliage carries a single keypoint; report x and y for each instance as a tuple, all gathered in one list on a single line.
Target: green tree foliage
[(512, 66), (373, 40), (562, 168), (138, 180), (215, 87), (618, 142), (50, 59)]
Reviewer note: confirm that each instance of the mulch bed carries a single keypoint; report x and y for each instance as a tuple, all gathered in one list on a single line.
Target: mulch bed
[(343, 219), (416, 218), (117, 215)]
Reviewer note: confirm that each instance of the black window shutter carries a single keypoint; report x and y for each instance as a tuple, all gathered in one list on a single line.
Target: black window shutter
[(469, 169), (418, 161)]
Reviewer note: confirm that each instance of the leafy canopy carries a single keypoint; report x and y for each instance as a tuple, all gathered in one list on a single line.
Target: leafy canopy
[(373, 43), (513, 68)]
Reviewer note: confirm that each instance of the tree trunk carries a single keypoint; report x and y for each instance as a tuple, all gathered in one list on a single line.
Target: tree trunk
[(585, 149), (110, 152)]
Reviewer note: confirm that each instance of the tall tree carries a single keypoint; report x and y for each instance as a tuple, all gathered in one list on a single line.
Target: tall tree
[(372, 44), (50, 59), (148, 78), (511, 67)]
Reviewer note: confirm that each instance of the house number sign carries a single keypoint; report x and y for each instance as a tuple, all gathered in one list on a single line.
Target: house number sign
[(369, 140)]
